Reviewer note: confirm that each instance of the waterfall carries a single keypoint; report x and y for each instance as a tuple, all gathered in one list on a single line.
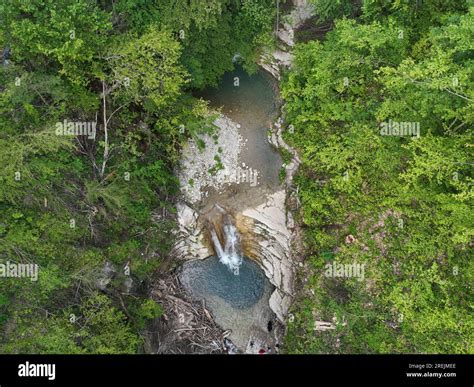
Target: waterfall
[(229, 255)]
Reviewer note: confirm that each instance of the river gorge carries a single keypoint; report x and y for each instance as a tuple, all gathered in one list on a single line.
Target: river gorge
[(234, 234)]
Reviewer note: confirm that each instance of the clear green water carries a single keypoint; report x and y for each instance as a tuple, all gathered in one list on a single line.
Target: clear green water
[(252, 104)]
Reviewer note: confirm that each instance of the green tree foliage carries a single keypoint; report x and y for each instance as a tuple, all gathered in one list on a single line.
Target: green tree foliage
[(333, 9), (211, 33), (402, 206), (149, 69), (63, 35), (72, 203), (95, 327)]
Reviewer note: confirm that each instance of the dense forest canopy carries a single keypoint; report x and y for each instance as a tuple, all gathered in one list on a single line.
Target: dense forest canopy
[(398, 202), (71, 203)]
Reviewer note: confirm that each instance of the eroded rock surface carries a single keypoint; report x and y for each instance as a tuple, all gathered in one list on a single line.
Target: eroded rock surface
[(281, 57)]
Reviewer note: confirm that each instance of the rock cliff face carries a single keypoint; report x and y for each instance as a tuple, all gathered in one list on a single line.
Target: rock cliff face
[(267, 240), (190, 235), (281, 57)]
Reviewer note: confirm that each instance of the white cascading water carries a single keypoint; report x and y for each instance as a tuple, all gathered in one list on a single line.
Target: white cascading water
[(229, 255)]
